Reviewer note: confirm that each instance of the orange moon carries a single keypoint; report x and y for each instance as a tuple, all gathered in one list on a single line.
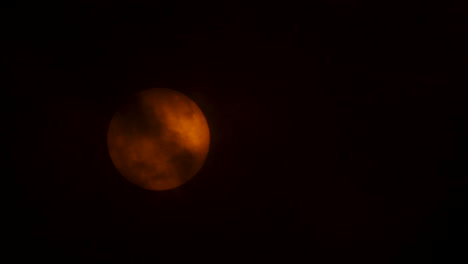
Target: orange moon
[(159, 139)]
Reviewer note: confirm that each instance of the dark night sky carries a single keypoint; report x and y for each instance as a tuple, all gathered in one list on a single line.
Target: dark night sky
[(339, 130)]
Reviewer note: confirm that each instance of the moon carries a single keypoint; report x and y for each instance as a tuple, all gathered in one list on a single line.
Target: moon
[(159, 139)]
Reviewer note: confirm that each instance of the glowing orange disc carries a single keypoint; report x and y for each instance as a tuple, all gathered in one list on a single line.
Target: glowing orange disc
[(159, 140)]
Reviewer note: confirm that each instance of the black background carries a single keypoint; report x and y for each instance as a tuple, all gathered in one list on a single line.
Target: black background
[(338, 130)]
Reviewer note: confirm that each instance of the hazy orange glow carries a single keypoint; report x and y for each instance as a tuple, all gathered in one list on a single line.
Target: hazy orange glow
[(159, 140)]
